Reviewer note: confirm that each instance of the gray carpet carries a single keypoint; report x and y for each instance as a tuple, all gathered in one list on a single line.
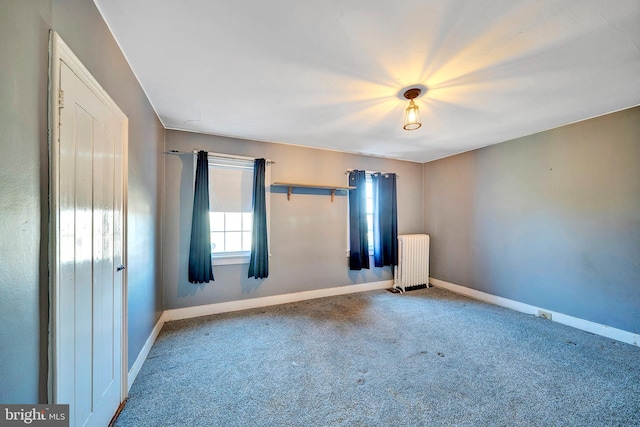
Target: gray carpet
[(428, 357)]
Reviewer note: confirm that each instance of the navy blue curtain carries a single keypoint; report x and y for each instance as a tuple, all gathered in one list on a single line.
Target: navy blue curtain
[(259, 262), (358, 240), (385, 220), (200, 270)]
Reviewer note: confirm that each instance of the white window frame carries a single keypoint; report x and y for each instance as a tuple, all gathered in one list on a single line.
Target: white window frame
[(230, 257)]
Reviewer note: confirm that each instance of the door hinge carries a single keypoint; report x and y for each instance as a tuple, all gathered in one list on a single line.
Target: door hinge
[(61, 99)]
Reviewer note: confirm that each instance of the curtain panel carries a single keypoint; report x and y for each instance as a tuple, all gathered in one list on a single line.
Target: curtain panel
[(358, 241), (259, 261), (200, 269), (385, 220)]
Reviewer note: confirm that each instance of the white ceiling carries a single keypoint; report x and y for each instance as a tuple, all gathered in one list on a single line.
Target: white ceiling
[(330, 74)]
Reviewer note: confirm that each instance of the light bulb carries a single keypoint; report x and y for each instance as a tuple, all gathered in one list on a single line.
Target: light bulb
[(412, 117)]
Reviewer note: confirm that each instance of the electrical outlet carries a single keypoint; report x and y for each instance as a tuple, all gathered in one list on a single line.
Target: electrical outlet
[(544, 314)]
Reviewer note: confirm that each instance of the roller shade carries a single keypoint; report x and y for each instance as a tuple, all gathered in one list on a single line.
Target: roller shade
[(230, 185)]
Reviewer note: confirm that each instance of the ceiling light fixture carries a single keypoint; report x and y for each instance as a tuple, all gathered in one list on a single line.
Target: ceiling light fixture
[(412, 115)]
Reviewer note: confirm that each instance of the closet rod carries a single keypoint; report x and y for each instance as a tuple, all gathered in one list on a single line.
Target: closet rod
[(370, 172), (226, 156)]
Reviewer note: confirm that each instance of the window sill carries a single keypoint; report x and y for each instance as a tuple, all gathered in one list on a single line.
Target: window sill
[(229, 259)]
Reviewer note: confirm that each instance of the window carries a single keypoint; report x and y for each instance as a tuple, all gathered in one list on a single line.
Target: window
[(369, 195), (369, 189), (378, 199), (231, 217)]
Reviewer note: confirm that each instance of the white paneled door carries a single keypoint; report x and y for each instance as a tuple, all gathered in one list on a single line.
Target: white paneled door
[(88, 208)]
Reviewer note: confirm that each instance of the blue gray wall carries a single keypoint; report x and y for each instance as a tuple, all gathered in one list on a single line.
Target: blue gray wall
[(551, 219), (23, 203), (24, 33), (308, 233), (81, 26)]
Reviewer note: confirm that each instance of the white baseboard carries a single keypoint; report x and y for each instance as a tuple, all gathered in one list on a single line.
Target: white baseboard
[(224, 307), (585, 325), (142, 356)]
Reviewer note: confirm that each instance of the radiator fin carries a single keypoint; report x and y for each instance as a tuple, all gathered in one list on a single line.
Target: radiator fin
[(413, 261)]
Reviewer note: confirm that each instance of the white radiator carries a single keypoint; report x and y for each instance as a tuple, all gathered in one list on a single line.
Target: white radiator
[(413, 261)]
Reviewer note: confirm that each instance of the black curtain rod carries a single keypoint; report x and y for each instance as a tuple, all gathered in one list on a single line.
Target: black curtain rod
[(371, 172), (226, 156)]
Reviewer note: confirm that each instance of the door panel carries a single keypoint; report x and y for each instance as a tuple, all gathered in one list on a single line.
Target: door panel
[(83, 249), (103, 193), (90, 245)]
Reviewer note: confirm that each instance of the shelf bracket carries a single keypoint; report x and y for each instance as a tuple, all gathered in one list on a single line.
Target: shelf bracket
[(289, 191), (333, 194)]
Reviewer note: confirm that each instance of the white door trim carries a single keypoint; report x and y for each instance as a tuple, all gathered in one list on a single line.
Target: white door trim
[(60, 52)]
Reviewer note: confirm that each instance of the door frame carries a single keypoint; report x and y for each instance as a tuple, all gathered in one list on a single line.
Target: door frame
[(59, 52)]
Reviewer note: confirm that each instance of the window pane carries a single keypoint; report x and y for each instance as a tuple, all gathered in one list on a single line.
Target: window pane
[(246, 241), (369, 190), (247, 221), (233, 221), (233, 241), (217, 242), (216, 220)]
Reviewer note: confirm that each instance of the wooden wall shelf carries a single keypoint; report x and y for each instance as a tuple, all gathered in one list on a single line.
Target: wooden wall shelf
[(291, 185)]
